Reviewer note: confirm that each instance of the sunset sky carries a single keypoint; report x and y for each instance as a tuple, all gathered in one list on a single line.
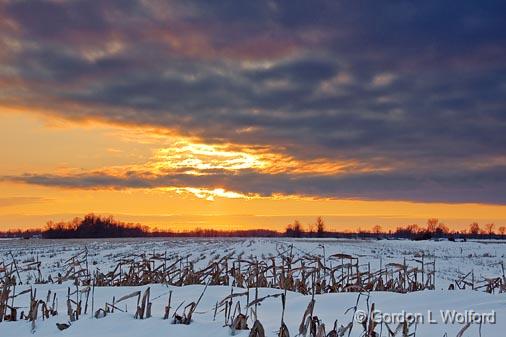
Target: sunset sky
[(250, 114)]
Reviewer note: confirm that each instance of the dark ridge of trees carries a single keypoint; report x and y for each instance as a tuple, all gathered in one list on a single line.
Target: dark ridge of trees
[(212, 233), (95, 226), (18, 233), (433, 230)]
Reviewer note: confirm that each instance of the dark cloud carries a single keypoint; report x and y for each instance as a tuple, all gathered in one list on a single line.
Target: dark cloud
[(479, 185), (419, 86)]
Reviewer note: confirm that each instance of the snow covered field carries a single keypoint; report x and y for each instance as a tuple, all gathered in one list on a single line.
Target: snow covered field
[(452, 260)]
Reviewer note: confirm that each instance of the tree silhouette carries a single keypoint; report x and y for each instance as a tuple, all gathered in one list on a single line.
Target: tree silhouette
[(432, 225), (474, 228), (377, 229), (297, 229), (489, 228), (320, 226)]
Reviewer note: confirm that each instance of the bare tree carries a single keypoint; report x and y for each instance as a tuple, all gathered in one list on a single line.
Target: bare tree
[(432, 225), (474, 228), (297, 229), (377, 229), (489, 228), (311, 229), (442, 229), (320, 226)]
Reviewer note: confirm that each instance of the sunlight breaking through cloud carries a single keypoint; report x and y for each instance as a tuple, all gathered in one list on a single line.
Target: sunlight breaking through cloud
[(201, 157), (210, 194)]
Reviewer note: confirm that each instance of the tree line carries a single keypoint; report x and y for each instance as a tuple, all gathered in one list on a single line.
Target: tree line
[(96, 226), (433, 229)]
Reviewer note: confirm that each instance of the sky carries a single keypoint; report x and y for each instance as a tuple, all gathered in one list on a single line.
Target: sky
[(250, 114)]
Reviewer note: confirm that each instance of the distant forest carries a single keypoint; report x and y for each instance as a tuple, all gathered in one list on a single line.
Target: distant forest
[(96, 226)]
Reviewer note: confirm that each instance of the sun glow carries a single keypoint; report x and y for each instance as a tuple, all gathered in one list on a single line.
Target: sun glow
[(120, 151), (198, 158), (210, 194)]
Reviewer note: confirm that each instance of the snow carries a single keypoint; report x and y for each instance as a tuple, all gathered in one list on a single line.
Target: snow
[(452, 259)]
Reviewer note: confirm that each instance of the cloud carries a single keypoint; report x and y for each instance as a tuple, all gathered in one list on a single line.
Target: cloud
[(477, 186), (424, 89)]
